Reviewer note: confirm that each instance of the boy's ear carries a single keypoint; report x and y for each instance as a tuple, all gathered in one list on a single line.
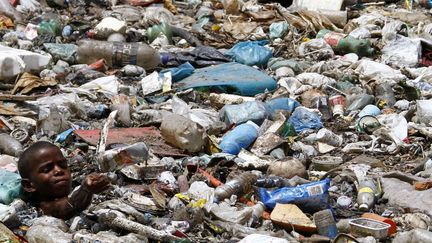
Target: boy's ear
[(28, 185)]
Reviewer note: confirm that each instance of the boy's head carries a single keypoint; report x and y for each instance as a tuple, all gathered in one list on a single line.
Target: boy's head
[(44, 171)]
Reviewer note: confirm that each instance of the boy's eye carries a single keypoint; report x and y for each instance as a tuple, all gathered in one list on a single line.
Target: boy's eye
[(46, 169)]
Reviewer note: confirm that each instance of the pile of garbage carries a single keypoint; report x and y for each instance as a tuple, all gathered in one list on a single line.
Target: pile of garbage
[(222, 121)]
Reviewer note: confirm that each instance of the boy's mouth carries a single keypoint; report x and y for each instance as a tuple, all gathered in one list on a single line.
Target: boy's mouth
[(62, 182)]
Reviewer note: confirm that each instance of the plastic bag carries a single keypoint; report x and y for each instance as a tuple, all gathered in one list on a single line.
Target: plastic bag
[(286, 104), (255, 111), (317, 49), (250, 53), (403, 52), (424, 111), (310, 197), (303, 119), (10, 186), (278, 30)]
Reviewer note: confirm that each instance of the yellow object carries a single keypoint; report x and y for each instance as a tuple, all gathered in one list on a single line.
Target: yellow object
[(366, 189)]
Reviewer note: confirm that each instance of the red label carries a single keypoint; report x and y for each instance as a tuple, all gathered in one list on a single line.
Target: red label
[(333, 38)]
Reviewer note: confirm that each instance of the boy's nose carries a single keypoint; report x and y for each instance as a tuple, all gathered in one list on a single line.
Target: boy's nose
[(58, 170)]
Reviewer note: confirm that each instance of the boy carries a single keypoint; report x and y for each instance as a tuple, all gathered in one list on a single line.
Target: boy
[(47, 178)]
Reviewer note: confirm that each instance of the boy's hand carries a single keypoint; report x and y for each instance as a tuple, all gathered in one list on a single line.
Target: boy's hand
[(96, 183)]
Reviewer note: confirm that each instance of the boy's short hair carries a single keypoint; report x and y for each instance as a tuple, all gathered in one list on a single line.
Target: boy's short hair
[(28, 155)]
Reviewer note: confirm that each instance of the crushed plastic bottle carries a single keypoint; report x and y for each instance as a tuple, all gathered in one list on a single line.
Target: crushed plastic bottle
[(117, 158), (240, 185)]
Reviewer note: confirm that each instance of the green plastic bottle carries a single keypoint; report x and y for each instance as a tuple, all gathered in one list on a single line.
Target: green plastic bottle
[(344, 44)]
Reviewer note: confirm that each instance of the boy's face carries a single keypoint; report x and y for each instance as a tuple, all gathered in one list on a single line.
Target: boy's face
[(49, 175)]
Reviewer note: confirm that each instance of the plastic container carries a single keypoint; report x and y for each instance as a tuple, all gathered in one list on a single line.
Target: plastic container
[(369, 227), (338, 104), (118, 54), (344, 44), (182, 133), (239, 186), (366, 194), (393, 226), (115, 159), (325, 223), (240, 137)]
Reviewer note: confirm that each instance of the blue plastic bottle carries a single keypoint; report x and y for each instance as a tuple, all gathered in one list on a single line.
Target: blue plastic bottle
[(240, 137)]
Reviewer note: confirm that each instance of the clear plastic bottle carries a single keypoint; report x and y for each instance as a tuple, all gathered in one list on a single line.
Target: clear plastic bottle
[(118, 54), (116, 158), (9, 145), (366, 194), (182, 133), (239, 186)]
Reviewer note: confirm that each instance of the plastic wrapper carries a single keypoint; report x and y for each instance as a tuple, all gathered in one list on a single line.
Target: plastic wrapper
[(311, 197), (391, 30), (250, 53), (255, 111)]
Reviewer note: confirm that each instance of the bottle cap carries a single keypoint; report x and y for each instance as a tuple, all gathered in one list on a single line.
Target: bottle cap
[(363, 207)]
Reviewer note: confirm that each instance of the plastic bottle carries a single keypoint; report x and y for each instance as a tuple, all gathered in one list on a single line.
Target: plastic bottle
[(118, 54), (325, 223), (9, 145), (257, 210), (366, 194), (116, 158), (182, 133), (239, 186), (240, 137), (359, 101), (344, 44)]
